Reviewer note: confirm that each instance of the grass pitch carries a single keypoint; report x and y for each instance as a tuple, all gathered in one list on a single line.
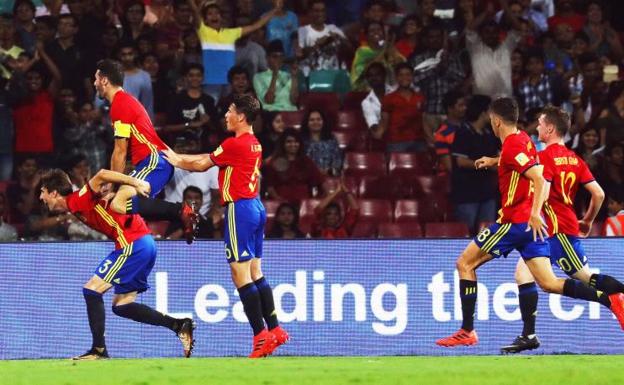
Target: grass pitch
[(478, 370)]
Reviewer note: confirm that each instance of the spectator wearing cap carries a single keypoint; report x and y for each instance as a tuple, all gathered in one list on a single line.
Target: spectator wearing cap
[(218, 42), (191, 109), (277, 90)]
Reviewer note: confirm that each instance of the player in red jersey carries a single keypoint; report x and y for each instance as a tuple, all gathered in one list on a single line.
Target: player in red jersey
[(564, 172), (239, 159), (126, 268), (520, 225), (135, 133)]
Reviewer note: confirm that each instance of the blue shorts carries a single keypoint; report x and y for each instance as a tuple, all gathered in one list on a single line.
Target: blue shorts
[(567, 252), (127, 269), (500, 239), (155, 170), (244, 230)]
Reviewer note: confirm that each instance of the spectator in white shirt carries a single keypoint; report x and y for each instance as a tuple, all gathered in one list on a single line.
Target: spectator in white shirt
[(371, 105)]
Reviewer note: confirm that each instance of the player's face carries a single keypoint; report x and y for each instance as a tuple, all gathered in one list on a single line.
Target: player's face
[(99, 84), (49, 198), (233, 118)]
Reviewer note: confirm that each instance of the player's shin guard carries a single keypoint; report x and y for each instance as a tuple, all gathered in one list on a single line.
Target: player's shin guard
[(606, 283), (468, 296), (266, 299), (153, 209), (577, 289), (250, 297), (97, 316), (145, 314), (527, 294)]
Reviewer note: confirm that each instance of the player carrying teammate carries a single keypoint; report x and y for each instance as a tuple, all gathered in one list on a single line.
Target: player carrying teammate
[(238, 159), (564, 172), (126, 268), (135, 133), (520, 225)]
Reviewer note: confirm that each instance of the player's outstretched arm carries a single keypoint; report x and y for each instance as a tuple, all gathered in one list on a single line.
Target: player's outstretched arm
[(199, 162), (108, 176), (597, 197), (536, 222)]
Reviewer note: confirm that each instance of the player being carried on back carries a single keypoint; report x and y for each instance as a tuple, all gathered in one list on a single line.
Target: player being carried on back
[(126, 268), (135, 133), (564, 172), (239, 159), (520, 225)]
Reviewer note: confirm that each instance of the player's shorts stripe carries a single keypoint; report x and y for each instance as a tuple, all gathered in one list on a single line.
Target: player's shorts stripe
[(150, 167), (569, 249), (109, 219), (513, 185), (118, 263), (553, 218), (232, 230), (500, 233), (226, 184)]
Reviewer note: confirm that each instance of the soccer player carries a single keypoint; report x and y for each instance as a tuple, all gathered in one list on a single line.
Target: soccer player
[(564, 172), (520, 225), (126, 268), (135, 133), (238, 159)]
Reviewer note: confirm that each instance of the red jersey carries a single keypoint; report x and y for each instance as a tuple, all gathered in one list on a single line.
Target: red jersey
[(239, 159), (95, 213), (518, 154), (566, 172), (131, 121)]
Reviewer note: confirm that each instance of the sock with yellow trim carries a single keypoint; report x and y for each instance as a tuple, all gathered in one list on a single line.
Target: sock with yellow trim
[(577, 289), (266, 299), (606, 283), (154, 209), (468, 296)]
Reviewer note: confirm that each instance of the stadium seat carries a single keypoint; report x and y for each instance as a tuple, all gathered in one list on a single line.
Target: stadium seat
[(293, 118), (360, 164), (364, 230), (375, 210), (351, 120), (158, 228), (271, 205), (345, 138), (432, 185), (330, 184), (399, 230), (328, 102), (446, 230), (435, 208), (307, 214), (353, 100), (407, 164), (383, 187), (329, 81), (406, 210)]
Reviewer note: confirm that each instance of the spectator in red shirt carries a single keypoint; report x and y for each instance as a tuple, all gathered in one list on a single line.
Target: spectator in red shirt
[(289, 174), (329, 223), (402, 116), (565, 14), (409, 31), (286, 224)]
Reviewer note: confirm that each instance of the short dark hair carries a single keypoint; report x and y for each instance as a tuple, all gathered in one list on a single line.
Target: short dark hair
[(401, 66), (48, 20), (29, 3), (73, 160), (451, 98), (275, 46), (68, 16), (587, 58), (207, 5), (237, 70), (558, 117), (616, 195), (506, 108), (248, 106), (377, 65), (534, 53), (371, 23), (193, 66), (477, 105), (57, 180), (192, 188), (113, 70)]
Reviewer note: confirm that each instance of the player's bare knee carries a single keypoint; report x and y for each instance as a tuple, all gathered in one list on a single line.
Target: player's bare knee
[(549, 285), (463, 266)]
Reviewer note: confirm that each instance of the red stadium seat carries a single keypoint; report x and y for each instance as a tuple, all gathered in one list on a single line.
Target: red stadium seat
[(271, 205), (407, 210), (307, 214), (345, 138), (293, 118), (432, 185), (364, 230), (359, 164), (375, 210), (435, 208), (328, 102), (330, 184), (351, 120), (383, 187), (158, 228), (399, 230), (446, 230), (407, 164), (353, 100)]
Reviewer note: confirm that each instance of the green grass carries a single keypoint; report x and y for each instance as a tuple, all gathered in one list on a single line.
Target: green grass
[(522, 370)]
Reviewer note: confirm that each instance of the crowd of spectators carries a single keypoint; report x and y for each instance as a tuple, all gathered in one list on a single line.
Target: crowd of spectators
[(373, 110)]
